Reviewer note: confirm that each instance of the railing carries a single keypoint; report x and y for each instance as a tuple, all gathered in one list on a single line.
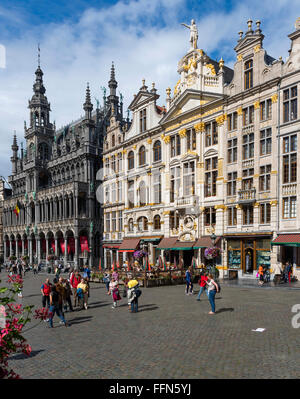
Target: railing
[(248, 129), (288, 189), (184, 201), (211, 81), (247, 195)]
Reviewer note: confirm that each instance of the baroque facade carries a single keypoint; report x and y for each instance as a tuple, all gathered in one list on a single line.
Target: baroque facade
[(220, 158), (54, 184)]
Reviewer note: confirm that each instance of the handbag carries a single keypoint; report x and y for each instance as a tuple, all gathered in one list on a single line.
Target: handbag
[(257, 275), (116, 295)]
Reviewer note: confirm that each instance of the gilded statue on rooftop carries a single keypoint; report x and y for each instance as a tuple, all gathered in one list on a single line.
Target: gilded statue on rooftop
[(193, 34)]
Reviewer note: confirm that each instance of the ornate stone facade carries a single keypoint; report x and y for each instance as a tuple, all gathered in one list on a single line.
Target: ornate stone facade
[(221, 158), (54, 183)]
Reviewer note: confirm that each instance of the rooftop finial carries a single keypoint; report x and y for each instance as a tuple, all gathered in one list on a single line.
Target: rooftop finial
[(39, 55), (241, 34), (249, 22), (258, 30)]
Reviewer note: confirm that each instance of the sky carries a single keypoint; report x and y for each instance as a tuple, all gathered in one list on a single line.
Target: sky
[(79, 39)]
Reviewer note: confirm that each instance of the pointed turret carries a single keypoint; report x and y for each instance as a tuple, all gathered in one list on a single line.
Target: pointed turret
[(88, 106), (112, 84), (14, 158)]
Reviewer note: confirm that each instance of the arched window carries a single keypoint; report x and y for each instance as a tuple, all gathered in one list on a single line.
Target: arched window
[(120, 139), (142, 223), (113, 140), (36, 119), (130, 225), (42, 119), (130, 160), (156, 223), (142, 156), (43, 151), (157, 151), (143, 193)]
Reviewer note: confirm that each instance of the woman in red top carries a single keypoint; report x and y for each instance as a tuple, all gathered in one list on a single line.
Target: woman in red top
[(202, 283)]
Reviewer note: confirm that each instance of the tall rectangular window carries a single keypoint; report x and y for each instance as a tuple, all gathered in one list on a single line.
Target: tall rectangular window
[(174, 220), (289, 207), (265, 141), (211, 134), (247, 181), (189, 178), (248, 214), (248, 146), (210, 216), (232, 150), (175, 183), (248, 74), (120, 220), (265, 213), (131, 194), (248, 116), (290, 104), (175, 145), (120, 193), (113, 193), (265, 178), (289, 160), (232, 216), (232, 121), (143, 120), (266, 110), (211, 174), (114, 221), (231, 183), (191, 139), (107, 222), (157, 187)]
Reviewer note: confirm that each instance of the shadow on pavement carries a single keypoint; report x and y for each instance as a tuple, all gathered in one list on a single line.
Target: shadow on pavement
[(79, 320), (225, 310), (22, 356), (146, 310), (91, 305)]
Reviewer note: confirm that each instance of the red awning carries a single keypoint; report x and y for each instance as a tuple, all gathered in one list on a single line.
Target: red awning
[(167, 243), (288, 240), (129, 245), (111, 246), (205, 242)]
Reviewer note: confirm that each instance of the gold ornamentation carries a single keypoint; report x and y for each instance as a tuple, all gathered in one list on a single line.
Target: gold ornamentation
[(273, 172), (240, 111), (166, 212), (256, 205), (274, 203), (257, 48), (162, 136), (256, 105), (238, 206), (274, 98), (149, 141), (167, 139), (182, 133), (221, 63), (124, 151), (168, 91), (222, 207), (176, 87), (201, 52), (212, 69), (221, 119), (199, 127), (239, 57), (134, 147)]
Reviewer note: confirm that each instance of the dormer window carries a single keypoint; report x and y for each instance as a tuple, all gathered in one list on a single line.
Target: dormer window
[(248, 74), (143, 124)]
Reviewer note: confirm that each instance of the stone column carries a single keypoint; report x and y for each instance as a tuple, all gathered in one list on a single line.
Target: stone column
[(91, 247), (17, 248), (66, 251), (10, 247), (76, 257), (38, 249), (56, 246), (5, 250), (47, 249), (76, 206), (30, 250)]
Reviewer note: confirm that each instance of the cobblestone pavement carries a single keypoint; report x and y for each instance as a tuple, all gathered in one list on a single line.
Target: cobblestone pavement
[(172, 336)]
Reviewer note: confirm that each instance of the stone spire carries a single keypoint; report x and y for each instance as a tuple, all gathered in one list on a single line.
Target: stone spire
[(14, 158), (112, 84), (88, 106)]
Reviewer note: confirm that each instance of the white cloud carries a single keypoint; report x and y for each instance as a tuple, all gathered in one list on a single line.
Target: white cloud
[(143, 38)]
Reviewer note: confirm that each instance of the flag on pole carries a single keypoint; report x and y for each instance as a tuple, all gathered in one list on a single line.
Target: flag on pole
[(118, 266), (175, 263), (113, 266), (128, 266), (149, 267), (17, 209), (100, 266)]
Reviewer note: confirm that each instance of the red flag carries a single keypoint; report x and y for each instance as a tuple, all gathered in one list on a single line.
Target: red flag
[(71, 245), (100, 267), (149, 267), (84, 244), (128, 267), (118, 266), (52, 242), (62, 245), (113, 266)]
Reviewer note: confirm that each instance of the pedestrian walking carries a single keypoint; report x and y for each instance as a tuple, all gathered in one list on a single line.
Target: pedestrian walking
[(45, 290), (74, 281), (115, 275), (106, 280), (61, 292), (114, 291), (288, 272), (54, 307), (133, 294), (83, 285), (20, 269), (202, 283), (87, 277), (212, 290), (189, 284), (68, 294), (261, 274)]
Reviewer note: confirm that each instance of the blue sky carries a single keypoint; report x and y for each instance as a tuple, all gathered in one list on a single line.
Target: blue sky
[(79, 39)]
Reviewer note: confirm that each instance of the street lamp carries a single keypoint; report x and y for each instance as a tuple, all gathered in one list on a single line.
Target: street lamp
[(213, 239)]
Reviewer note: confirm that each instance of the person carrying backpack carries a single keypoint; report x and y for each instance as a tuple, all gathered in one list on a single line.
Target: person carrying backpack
[(114, 291), (74, 281), (45, 290), (213, 288), (133, 295), (189, 284)]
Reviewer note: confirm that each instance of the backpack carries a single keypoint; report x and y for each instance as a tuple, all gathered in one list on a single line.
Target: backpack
[(138, 292), (218, 285)]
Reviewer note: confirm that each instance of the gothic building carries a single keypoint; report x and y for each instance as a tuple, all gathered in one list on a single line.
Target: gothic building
[(53, 182)]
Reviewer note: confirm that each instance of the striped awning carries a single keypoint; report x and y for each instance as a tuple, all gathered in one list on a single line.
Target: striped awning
[(111, 246), (289, 240), (129, 245), (205, 242)]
